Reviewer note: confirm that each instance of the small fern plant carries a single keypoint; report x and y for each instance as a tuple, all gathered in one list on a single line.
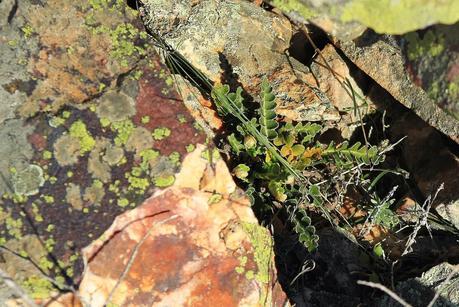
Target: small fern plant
[(274, 156)]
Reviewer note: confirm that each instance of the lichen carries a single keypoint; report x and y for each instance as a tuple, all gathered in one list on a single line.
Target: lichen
[(294, 6), (161, 133), (73, 196), (96, 165), (140, 139), (78, 131), (429, 45), (262, 247), (95, 193), (38, 287), (113, 154), (399, 17), (29, 180), (115, 107), (164, 181), (124, 129), (66, 150)]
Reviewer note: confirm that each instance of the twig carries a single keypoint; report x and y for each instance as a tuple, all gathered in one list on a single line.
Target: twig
[(133, 256), (386, 290)]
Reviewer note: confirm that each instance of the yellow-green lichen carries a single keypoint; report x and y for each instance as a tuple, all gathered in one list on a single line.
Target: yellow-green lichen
[(262, 248), (161, 133), (27, 30), (47, 154), (148, 156), (123, 202), (294, 6), (402, 16), (124, 130), (164, 181), (38, 287), (78, 131), (174, 157), (145, 119), (190, 147)]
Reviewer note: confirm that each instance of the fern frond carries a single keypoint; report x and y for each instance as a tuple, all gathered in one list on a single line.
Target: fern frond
[(302, 226), (267, 111), (344, 155)]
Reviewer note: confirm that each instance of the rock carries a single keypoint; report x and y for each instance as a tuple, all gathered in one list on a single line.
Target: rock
[(335, 80), (430, 162), (98, 93), (253, 44), (419, 69), (196, 243), (419, 291), (384, 59), (346, 19)]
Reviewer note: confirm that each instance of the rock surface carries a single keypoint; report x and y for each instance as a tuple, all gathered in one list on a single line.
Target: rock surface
[(194, 244), (108, 131), (346, 19), (253, 44), (421, 290)]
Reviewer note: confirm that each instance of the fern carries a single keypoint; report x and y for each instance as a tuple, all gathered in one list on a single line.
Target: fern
[(302, 226), (345, 156), (267, 111)]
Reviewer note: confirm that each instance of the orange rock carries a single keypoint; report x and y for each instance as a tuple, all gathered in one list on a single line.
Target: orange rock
[(185, 247)]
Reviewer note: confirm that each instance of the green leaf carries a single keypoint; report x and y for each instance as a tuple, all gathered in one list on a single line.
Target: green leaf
[(277, 190), (241, 171), (235, 144), (267, 112)]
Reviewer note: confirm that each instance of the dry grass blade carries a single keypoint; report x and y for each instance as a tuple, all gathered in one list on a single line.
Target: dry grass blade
[(386, 290)]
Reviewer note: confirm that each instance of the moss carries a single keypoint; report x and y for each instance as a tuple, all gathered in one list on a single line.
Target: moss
[(161, 133), (66, 149), (429, 45), (294, 6), (38, 287), (28, 181), (78, 131), (164, 181), (402, 16), (262, 245)]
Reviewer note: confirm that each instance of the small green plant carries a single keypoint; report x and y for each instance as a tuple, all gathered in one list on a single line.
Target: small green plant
[(274, 156)]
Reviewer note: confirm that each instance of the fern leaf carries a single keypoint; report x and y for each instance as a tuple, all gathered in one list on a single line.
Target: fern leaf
[(345, 155), (306, 232), (267, 111), (237, 99)]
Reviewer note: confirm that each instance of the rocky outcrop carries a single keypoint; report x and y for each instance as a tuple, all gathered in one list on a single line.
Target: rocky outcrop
[(194, 244), (238, 43)]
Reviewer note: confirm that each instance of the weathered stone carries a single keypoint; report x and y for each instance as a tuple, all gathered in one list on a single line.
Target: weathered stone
[(346, 19), (253, 45), (382, 58), (185, 246), (333, 77), (430, 162), (420, 291)]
